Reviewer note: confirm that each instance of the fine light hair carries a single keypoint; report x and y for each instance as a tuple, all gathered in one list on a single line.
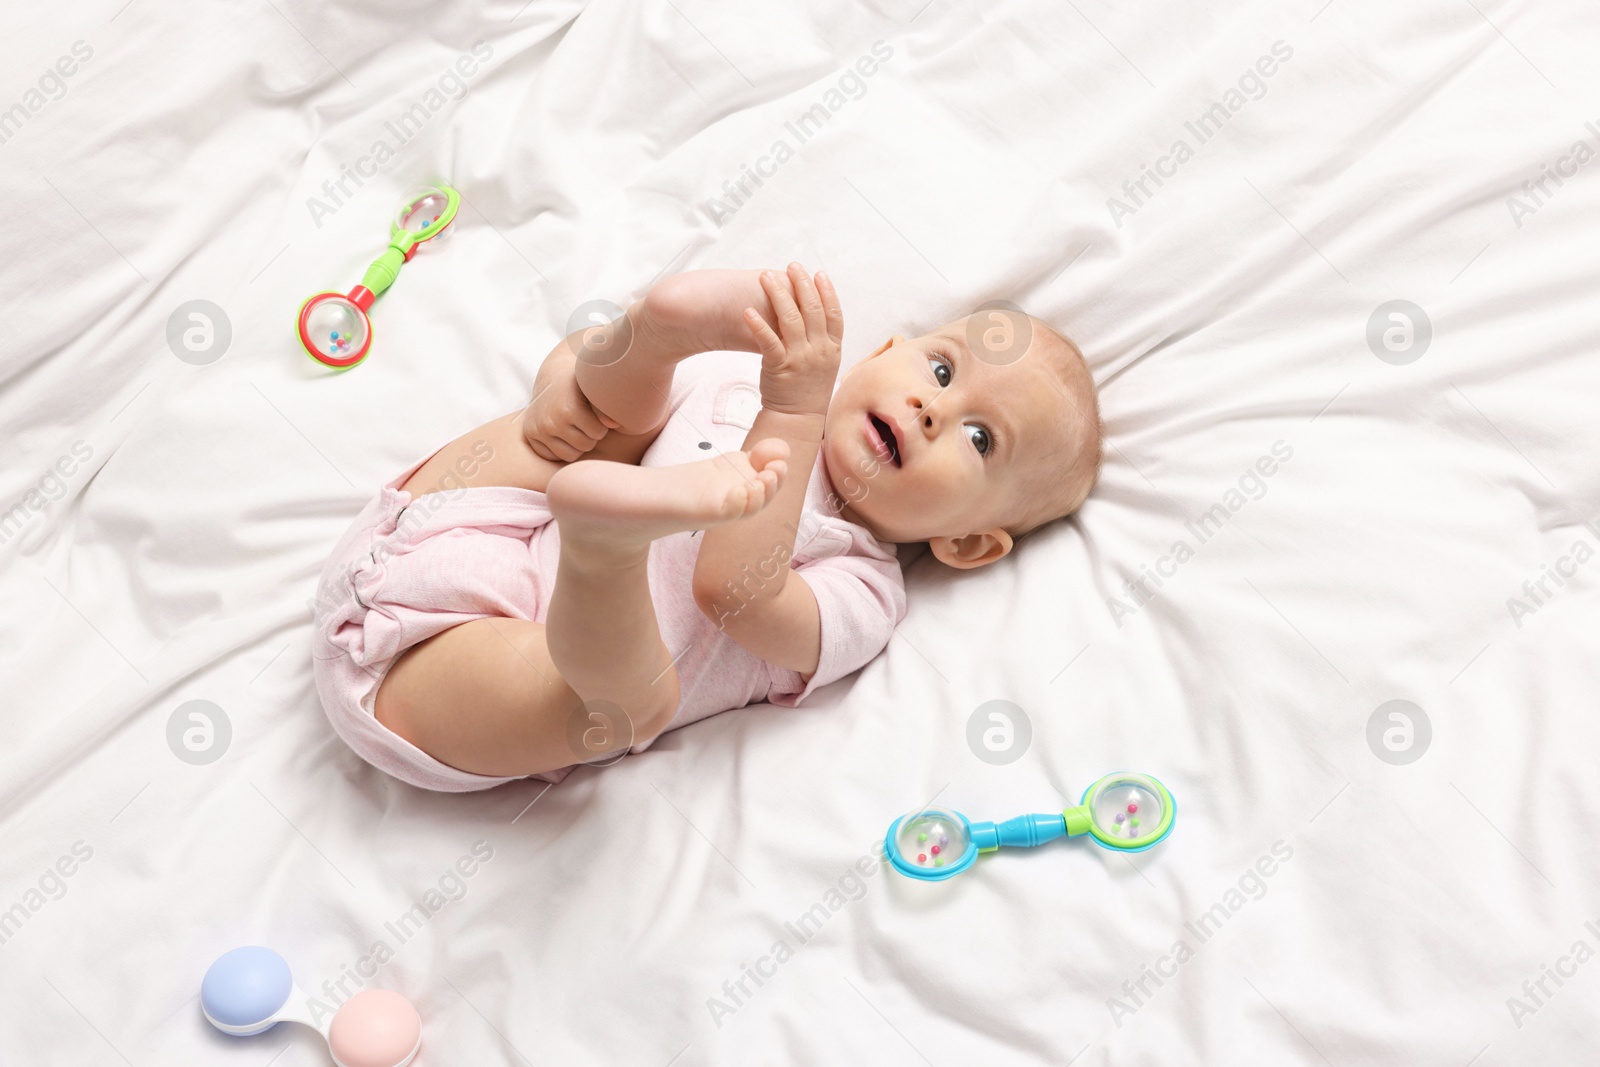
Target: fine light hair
[(1059, 483)]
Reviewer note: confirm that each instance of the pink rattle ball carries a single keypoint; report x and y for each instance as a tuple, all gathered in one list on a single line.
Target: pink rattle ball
[(375, 1028)]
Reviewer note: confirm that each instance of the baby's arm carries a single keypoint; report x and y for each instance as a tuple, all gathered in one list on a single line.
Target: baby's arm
[(742, 578), (618, 376)]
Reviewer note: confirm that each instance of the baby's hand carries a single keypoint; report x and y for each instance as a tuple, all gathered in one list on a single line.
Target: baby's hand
[(559, 423), (801, 360)]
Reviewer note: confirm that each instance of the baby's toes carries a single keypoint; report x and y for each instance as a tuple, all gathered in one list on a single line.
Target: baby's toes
[(736, 502), (767, 451), (770, 480), (759, 496)]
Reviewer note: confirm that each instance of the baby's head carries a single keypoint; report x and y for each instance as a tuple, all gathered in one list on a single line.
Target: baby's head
[(967, 437)]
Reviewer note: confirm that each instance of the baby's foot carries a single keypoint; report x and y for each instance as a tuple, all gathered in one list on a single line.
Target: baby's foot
[(703, 310), (620, 506)]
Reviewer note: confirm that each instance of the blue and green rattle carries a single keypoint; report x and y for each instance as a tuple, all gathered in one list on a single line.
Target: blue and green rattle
[(1125, 812)]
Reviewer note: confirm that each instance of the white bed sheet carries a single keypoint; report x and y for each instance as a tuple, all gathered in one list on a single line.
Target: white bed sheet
[(1224, 313)]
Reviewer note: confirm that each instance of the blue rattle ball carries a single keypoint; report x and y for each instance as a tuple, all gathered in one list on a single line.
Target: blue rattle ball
[(245, 989)]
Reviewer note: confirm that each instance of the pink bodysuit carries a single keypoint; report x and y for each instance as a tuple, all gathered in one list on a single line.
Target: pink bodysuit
[(407, 570)]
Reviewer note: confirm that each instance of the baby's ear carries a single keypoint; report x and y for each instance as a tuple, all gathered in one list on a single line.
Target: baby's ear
[(972, 550)]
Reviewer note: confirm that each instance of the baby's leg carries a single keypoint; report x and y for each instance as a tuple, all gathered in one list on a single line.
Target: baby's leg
[(700, 311), (601, 628), (499, 696), (625, 369), (497, 453), (482, 697)]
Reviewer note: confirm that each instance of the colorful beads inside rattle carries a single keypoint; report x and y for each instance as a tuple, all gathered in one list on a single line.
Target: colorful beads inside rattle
[(930, 837), (422, 209), (1126, 807), (334, 326)]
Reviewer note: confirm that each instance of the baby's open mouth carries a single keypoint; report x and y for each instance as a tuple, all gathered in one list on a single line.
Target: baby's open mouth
[(887, 445)]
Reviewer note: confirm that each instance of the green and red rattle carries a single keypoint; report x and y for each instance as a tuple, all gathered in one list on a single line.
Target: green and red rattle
[(334, 328)]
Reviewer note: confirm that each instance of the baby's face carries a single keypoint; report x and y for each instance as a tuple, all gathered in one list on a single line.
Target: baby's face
[(927, 440)]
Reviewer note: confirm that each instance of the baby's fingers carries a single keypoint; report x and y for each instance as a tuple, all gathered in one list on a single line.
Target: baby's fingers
[(767, 342), (574, 438), (805, 295), (830, 307), (553, 449), (791, 324), (586, 421)]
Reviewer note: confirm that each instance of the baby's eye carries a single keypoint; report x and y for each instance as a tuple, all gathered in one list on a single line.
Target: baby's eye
[(979, 438), (941, 372)]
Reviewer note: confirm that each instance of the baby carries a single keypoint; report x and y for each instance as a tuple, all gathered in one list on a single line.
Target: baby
[(647, 544)]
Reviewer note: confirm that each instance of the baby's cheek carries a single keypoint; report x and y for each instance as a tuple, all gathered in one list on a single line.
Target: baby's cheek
[(868, 468), (953, 496), (917, 500)]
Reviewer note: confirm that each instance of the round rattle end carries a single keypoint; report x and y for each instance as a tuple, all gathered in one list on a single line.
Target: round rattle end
[(244, 989), (334, 331), (1129, 811), (930, 844), (375, 1028), (425, 211)]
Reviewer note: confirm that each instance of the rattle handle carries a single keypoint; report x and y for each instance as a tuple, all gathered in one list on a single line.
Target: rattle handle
[(1024, 831), (381, 274)]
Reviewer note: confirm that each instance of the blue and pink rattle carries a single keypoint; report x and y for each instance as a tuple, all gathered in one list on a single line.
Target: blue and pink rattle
[(1126, 812), (250, 990)]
